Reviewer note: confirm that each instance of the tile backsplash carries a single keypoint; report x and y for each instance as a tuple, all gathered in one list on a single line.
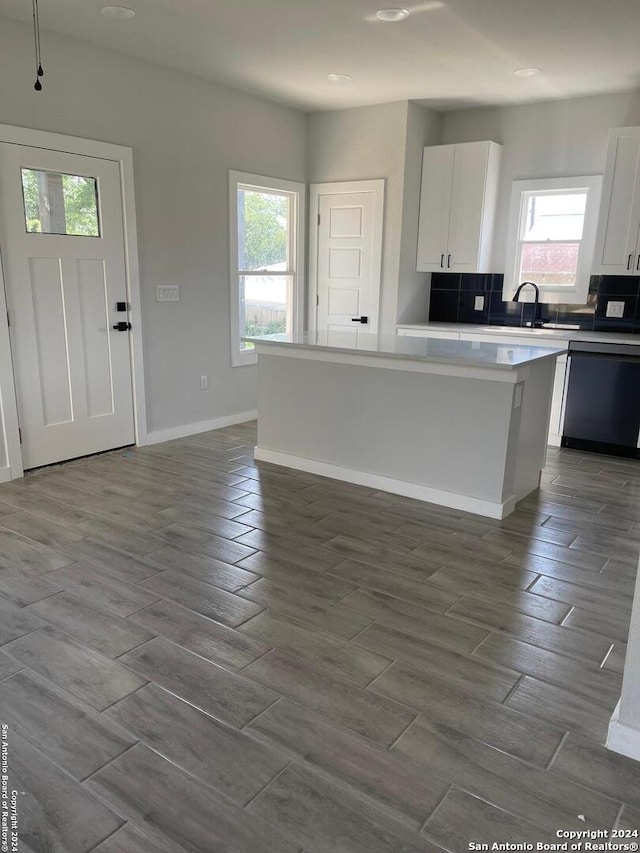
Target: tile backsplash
[(477, 299)]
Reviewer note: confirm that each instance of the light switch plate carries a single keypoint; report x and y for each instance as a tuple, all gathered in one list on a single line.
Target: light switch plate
[(615, 309), (478, 303), (168, 293)]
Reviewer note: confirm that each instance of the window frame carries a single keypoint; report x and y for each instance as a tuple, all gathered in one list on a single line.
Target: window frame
[(521, 191), (297, 192)]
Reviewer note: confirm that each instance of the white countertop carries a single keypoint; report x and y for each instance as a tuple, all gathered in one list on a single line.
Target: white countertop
[(423, 348), (551, 334)]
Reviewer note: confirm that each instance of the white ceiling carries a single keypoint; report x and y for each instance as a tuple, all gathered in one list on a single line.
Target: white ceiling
[(446, 54)]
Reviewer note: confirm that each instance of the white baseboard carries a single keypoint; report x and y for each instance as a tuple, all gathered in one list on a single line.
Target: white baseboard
[(160, 435), (466, 503), (5, 475), (622, 738)]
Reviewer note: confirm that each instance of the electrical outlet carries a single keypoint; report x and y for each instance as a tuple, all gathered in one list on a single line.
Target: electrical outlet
[(517, 396), (168, 293), (478, 303), (615, 309), (204, 383)]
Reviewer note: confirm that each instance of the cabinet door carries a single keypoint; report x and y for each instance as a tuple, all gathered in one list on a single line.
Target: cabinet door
[(467, 205), (557, 409), (435, 204), (616, 250)]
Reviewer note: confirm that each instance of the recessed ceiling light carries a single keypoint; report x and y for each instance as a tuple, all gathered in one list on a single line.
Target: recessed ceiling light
[(527, 72), (340, 78), (392, 16), (120, 12)]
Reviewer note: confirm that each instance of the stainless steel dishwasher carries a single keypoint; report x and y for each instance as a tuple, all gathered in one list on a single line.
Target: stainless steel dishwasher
[(602, 407)]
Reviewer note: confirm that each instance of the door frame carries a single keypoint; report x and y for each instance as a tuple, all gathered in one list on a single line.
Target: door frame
[(338, 188), (123, 156)]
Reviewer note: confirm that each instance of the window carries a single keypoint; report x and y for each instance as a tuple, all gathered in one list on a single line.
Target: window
[(55, 203), (266, 227), (552, 235)]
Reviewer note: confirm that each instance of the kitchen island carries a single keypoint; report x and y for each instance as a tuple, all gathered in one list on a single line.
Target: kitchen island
[(462, 424)]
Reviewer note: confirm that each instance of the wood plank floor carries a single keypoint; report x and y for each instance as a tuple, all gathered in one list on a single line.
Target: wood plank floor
[(202, 654)]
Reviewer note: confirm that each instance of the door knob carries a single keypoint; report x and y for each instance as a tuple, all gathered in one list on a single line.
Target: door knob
[(359, 319), (122, 326)]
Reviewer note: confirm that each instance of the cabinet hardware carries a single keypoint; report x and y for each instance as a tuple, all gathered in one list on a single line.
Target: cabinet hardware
[(629, 262), (442, 261), (638, 264), (448, 262)]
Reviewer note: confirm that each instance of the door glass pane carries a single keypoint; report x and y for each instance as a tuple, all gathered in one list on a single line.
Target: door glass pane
[(264, 301), (555, 216), (60, 204), (263, 230)]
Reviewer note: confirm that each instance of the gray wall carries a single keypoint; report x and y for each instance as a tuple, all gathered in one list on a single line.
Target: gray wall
[(548, 139), (362, 144), (186, 133), (383, 141), (544, 140), (423, 128)]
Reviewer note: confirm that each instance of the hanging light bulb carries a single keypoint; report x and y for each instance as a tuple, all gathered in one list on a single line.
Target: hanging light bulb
[(36, 37)]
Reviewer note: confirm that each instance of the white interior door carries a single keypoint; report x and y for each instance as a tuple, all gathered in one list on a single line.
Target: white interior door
[(64, 268), (348, 244)]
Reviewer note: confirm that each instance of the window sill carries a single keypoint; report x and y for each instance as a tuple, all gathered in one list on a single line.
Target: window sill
[(244, 359)]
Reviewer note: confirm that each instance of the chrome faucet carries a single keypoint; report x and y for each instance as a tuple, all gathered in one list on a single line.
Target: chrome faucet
[(536, 321)]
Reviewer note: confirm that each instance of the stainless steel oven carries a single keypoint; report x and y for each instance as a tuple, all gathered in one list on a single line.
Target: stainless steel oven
[(602, 407)]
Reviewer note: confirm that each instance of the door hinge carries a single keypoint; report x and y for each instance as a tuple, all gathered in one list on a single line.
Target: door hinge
[(8, 320), (317, 299), (318, 220), (20, 434)]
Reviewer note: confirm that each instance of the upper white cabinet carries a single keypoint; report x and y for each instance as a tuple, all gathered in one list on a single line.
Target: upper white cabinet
[(618, 238), (457, 207)]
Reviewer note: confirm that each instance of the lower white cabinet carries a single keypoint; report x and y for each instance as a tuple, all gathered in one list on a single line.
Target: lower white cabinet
[(557, 402), (442, 334)]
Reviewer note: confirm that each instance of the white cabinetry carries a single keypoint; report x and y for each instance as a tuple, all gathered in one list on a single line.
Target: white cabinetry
[(442, 335), (557, 401), (618, 239), (457, 207)]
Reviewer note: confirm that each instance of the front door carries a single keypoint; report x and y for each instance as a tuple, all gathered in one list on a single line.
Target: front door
[(64, 268), (349, 252)]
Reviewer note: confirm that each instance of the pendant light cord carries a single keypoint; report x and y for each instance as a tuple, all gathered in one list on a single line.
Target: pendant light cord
[(36, 37)]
